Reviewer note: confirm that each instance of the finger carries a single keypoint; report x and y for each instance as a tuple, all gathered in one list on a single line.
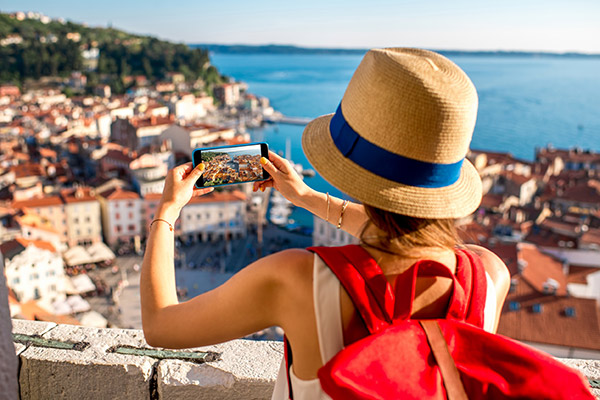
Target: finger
[(269, 167), (201, 192), (185, 168), (280, 163), (196, 173)]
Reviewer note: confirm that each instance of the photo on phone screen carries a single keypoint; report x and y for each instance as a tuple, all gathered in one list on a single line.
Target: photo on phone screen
[(229, 165)]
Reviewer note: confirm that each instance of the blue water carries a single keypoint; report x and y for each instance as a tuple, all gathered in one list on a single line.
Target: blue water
[(524, 102)]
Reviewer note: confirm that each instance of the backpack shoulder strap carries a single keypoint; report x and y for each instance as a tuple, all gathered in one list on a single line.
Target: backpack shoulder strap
[(364, 281), (471, 273)]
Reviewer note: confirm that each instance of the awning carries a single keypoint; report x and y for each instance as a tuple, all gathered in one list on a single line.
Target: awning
[(80, 284), (100, 252), (77, 256), (72, 305), (93, 319)]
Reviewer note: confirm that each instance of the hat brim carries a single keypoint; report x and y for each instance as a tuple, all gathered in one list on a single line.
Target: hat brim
[(455, 201)]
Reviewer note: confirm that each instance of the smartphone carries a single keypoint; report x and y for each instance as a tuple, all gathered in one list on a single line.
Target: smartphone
[(229, 165)]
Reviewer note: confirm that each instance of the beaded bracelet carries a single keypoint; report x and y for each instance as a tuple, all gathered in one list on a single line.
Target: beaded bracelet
[(163, 220), (344, 205)]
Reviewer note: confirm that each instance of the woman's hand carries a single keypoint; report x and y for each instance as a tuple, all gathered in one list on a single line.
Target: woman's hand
[(284, 178), (179, 189)]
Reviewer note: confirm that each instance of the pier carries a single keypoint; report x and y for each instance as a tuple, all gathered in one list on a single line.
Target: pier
[(282, 119)]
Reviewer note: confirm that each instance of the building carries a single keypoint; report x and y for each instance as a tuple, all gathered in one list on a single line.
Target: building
[(214, 216), (228, 94), (540, 310), (148, 171), (34, 270), (82, 210), (136, 133), (121, 216), (150, 204), (33, 227), (189, 107), (52, 211), (184, 139), (326, 234)]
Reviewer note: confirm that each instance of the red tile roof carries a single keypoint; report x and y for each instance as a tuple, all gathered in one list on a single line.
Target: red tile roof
[(119, 194), (587, 192), (47, 201), (13, 247), (578, 274), (78, 195), (217, 197), (539, 267), (551, 325)]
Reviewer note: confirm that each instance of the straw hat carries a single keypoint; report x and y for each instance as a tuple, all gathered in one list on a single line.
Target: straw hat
[(399, 138)]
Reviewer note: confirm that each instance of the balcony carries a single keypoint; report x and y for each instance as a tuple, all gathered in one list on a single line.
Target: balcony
[(72, 362)]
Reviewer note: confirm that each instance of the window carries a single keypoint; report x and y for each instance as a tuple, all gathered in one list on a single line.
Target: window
[(78, 232), (76, 220), (130, 204), (570, 312), (89, 231), (16, 281), (36, 293), (130, 215), (537, 308), (117, 216), (199, 216), (514, 306), (118, 228), (87, 219), (53, 288), (131, 228)]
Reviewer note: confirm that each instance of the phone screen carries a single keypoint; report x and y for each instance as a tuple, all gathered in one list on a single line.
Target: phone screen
[(229, 165)]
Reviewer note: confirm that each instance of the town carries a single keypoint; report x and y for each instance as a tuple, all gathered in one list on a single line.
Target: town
[(82, 170), (223, 169)]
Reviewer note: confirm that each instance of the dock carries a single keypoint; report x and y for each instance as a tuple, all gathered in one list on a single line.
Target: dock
[(282, 119)]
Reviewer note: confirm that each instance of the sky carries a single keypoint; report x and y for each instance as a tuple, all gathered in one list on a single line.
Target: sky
[(527, 25)]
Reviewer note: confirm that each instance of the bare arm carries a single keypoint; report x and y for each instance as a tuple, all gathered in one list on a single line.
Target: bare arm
[(257, 297), (499, 274), (288, 183)]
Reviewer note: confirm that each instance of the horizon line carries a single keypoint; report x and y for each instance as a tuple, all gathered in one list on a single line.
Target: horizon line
[(365, 49)]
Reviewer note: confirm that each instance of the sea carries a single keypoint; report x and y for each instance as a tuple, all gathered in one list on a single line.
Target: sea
[(525, 102)]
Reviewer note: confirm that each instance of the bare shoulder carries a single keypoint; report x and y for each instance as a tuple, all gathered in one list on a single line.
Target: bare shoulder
[(494, 266), (290, 267)]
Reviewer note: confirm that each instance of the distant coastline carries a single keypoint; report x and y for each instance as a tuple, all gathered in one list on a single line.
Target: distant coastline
[(290, 49)]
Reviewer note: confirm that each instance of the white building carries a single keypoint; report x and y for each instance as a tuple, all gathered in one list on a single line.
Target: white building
[(213, 216), (121, 215), (149, 171), (185, 139), (34, 270), (326, 234), (82, 210), (189, 107)]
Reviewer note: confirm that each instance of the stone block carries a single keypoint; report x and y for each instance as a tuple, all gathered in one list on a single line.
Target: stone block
[(30, 328), (91, 373), (247, 370), (589, 368)]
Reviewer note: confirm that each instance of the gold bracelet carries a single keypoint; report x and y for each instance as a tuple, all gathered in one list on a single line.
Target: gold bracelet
[(328, 203), (344, 205), (162, 220)]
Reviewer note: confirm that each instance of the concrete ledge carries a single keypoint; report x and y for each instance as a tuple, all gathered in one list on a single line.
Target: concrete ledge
[(85, 367)]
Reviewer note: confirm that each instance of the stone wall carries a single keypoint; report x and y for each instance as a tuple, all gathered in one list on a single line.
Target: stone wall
[(73, 362)]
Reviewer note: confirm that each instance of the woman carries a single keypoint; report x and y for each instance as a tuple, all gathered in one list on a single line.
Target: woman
[(397, 144)]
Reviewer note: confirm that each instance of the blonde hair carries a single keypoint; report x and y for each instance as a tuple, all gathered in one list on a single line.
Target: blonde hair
[(401, 233)]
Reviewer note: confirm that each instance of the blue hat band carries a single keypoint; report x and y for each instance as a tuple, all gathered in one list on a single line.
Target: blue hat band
[(394, 167)]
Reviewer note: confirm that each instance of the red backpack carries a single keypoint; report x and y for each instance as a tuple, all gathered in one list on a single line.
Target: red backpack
[(450, 358)]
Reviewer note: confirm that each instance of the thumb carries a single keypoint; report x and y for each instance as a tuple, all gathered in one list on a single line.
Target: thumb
[(196, 173), (268, 165)]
